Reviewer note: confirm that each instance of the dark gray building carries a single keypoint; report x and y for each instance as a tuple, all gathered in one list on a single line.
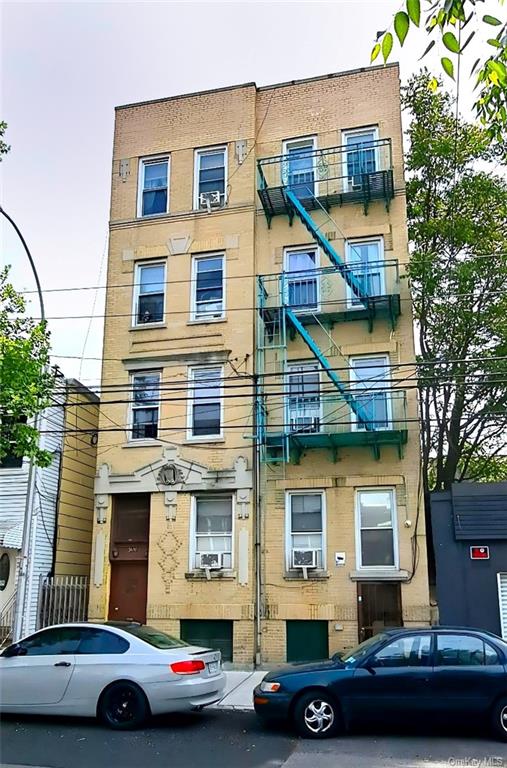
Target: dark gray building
[(469, 528)]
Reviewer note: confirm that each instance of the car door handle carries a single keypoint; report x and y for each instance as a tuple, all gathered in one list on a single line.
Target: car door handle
[(62, 664)]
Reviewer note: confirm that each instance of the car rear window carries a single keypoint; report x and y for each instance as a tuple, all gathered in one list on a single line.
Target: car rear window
[(155, 637)]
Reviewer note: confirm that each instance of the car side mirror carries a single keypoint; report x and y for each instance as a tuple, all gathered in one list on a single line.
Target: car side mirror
[(16, 649), (370, 666)]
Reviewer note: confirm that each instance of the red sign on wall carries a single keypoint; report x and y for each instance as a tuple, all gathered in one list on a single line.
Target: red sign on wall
[(479, 553)]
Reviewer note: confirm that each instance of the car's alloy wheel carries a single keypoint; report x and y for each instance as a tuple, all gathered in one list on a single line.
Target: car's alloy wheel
[(316, 715), (503, 719), (123, 706), (500, 719)]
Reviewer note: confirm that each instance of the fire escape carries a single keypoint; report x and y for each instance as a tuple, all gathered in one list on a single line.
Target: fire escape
[(318, 406)]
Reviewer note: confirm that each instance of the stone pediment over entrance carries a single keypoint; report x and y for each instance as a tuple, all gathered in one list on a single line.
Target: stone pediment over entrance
[(172, 474)]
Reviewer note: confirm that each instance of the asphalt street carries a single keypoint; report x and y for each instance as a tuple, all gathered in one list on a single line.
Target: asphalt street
[(233, 740)]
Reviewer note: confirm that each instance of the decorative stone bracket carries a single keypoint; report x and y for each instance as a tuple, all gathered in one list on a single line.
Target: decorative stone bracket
[(170, 501)]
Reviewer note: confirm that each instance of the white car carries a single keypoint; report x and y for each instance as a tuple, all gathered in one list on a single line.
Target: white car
[(119, 672)]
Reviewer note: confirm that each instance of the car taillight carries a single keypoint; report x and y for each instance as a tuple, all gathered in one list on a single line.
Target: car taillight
[(190, 667)]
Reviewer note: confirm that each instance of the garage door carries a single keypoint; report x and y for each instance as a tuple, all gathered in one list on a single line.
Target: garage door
[(307, 640), (502, 602), (210, 633)]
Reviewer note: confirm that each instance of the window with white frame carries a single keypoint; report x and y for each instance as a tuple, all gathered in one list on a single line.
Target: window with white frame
[(369, 379), (145, 405), (302, 278), (205, 415), (149, 293), (365, 259), (360, 156), (153, 197), (304, 404), (210, 176), (376, 537), (208, 300), (305, 530), (212, 538)]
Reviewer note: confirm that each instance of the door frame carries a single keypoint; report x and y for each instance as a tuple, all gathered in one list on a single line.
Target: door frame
[(399, 606)]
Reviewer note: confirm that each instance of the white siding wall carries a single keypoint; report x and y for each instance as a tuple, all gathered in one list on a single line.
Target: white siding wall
[(13, 487)]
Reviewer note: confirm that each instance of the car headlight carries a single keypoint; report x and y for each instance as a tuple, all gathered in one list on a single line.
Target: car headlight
[(269, 686)]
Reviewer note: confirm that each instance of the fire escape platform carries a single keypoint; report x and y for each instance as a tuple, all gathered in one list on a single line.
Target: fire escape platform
[(388, 306), (333, 441)]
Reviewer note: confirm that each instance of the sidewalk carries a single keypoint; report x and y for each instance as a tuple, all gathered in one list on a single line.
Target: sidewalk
[(239, 689)]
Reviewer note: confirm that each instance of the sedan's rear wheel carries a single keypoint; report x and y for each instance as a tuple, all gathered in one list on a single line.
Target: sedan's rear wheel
[(123, 706), (499, 719), (317, 716)]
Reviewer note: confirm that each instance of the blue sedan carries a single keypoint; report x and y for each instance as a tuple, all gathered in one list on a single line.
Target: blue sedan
[(439, 672)]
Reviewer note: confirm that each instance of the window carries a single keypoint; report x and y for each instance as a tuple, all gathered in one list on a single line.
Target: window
[(305, 530), (208, 287), (213, 531), (149, 293), (364, 258), (360, 157), (464, 651), (210, 175), (145, 406), (153, 186), (101, 641), (154, 637), (5, 570), (376, 531), (304, 398), (52, 641), (302, 278), (369, 379), (10, 461), (205, 402), (410, 651), (298, 166)]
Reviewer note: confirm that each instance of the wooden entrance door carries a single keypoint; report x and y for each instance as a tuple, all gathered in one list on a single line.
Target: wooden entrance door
[(379, 606), (129, 586)]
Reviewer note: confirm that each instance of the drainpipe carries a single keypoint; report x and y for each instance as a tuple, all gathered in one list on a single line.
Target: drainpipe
[(258, 527)]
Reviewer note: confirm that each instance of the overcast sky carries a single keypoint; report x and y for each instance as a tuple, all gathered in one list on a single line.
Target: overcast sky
[(64, 68)]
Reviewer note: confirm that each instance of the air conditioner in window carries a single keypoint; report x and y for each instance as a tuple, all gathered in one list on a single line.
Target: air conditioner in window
[(210, 560), (210, 199), (356, 183), (304, 558), (304, 424)]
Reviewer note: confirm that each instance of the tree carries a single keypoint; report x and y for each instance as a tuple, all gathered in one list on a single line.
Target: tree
[(457, 221), (26, 380), (457, 22)]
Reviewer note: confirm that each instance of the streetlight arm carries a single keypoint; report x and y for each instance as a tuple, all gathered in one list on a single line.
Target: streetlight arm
[(32, 264)]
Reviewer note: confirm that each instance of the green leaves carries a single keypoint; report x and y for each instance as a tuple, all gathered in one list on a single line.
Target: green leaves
[(414, 11), (491, 20), (448, 67), (450, 42), (375, 52), (387, 45), (401, 25)]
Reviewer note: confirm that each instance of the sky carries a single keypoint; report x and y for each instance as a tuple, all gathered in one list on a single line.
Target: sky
[(65, 66)]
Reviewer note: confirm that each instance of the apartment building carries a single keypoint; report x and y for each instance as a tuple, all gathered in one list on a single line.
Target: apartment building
[(258, 460)]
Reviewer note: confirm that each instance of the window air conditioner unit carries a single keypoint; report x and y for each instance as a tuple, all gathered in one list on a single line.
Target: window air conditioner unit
[(210, 560), (210, 199), (355, 183), (305, 424), (304, 558)]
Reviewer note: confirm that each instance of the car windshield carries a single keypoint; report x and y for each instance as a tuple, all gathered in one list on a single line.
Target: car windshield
[(155, 637), (359, 652)]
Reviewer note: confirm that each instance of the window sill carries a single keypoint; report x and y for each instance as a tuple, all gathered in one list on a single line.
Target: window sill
[(142, 443), (207, 321), (197, 440), (379, 574), (147, 326), (149, 216), (297, 575), (226, 575)]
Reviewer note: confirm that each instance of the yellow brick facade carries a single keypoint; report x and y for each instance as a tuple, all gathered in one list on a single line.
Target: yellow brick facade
[(251, 123)]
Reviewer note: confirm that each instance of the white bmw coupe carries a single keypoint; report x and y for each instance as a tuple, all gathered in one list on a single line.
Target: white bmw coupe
[(119, 672)]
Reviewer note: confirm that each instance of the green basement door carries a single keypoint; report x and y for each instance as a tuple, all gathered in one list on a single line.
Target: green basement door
[(211, 633), (307, 640)]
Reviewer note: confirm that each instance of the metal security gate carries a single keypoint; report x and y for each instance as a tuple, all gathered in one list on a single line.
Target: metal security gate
[(502, 603), (62, 599)]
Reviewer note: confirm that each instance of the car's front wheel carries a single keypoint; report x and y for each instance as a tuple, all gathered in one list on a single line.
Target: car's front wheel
[(499, 719), (317, 716), (123, 706)]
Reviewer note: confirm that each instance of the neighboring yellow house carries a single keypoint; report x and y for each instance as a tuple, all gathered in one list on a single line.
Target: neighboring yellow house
[(256, 288)]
